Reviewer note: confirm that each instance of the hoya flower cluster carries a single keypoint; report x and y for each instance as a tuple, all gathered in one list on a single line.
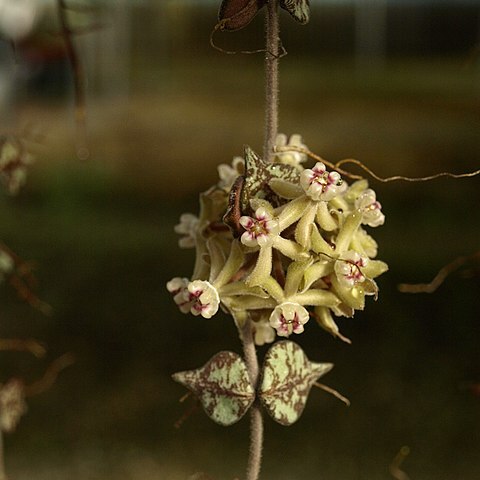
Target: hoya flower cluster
[(281, 243)]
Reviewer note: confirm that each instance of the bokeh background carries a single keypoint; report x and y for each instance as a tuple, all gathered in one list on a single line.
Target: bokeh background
[(395, 84)]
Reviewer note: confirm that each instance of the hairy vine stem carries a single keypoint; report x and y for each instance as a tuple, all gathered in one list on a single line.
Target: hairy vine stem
[(271, 127), (256, 420), (271, 77), (78, 81), (3, 475)]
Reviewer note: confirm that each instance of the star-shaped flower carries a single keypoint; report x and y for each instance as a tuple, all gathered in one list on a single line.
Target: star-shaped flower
[(319, 184), (181, 296), (260, 230), (188, 227), (371, 208), (229, 173), (291, 157), (288, 317), (263, 332), (349, 268), (205, 298)]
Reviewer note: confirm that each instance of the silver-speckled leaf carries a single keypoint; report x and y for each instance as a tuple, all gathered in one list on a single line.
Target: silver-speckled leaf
[(287, 377), (255, 183), (258, 174), (222, 386), (298, 9)]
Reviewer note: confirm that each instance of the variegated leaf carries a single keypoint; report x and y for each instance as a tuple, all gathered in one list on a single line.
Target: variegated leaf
[(222, 386), (258, 174), (237, 14), (254, 184), (287, 377), (298, 9)]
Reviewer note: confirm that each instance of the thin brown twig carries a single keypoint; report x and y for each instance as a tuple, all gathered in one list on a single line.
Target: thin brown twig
[(406, 179), (24, 282), (333, 392), (318, 158), (185, 397), (50, 375), (26, 294), (78, 81), (219, 27), (354, 176), (440, 277), (188, 413)]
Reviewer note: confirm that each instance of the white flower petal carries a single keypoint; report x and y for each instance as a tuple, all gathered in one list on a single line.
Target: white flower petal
[(205, 298), (371, 209), (260, 230), (290, 157), (319, 184), (348, 269), (264, 333), (188, 226)]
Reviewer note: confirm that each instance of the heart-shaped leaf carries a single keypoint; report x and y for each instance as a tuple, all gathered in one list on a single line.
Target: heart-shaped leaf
[(287, 377), (258, 174), (254, 183), (223, 387), (237, 14), (298, 9)]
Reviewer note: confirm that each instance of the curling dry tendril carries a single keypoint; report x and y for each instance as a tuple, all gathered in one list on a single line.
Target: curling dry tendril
[(336, 166)]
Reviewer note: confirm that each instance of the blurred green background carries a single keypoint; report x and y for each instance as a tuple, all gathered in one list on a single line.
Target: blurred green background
[(393, 84)]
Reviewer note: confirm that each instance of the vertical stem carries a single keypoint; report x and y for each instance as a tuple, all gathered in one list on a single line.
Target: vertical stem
[(78, 81), (256, 442), (3, 475), (271, 128), (249, 350), (271, 77), (256, 421)]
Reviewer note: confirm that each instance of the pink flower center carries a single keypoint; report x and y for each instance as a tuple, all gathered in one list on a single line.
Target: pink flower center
[(195, 298), (373, 206), (354, 273), (323, 178), (259, 227), (289, 324)]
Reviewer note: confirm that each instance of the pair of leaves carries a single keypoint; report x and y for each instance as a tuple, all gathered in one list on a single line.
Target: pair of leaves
[(224, 389), (237, 14)]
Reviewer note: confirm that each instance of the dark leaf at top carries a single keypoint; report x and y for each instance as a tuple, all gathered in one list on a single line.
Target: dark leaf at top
[(237, 14)]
